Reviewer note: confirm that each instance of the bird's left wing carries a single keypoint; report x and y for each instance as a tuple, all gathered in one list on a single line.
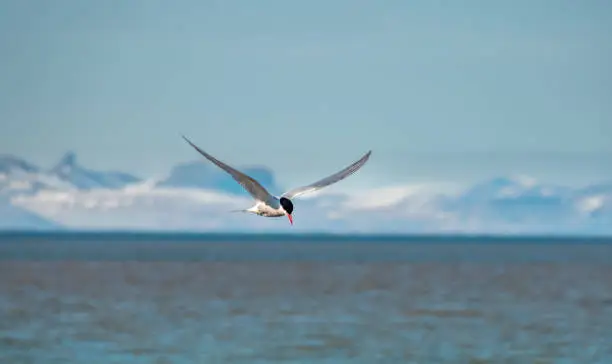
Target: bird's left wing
[(249, 184), (338, 176)]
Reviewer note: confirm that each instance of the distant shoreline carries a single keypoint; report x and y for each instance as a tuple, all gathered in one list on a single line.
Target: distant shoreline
[(298, 236)]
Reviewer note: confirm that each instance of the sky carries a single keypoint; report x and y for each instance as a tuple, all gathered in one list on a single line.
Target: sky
[(439, 90)]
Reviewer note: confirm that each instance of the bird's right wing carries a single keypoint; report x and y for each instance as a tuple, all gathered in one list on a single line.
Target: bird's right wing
[(249, 184), (338, 176)]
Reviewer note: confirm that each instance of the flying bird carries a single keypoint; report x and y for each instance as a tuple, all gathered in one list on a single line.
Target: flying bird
[(268, 205)]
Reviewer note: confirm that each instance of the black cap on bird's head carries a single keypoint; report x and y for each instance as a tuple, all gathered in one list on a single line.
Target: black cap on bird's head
[(287, 205)]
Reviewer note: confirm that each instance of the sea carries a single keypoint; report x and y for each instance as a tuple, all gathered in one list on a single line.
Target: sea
[(211, 298)]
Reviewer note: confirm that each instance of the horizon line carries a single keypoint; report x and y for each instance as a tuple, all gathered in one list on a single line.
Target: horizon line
[(164, 234)]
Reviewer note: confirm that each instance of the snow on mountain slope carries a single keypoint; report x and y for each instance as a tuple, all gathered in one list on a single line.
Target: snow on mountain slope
[(20, 179), (148, 206), (138, 206), (19, 176), (10, 164), (68, 170), (407, 209), (13, 217), (517, 201)]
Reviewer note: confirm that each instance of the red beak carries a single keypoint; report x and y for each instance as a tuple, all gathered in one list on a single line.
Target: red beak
[(290, 218)]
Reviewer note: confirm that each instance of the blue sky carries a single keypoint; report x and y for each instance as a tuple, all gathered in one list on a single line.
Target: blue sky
[(439, 90)]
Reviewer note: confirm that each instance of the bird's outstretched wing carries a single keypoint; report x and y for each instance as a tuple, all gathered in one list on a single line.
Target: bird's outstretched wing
[(249, 184), (329, 180)]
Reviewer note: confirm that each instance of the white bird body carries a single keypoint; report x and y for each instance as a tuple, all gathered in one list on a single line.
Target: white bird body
[(264, 209), (272, 206)]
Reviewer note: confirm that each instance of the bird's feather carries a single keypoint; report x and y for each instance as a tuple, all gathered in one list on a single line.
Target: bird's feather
[(256, 190), (338, 176)]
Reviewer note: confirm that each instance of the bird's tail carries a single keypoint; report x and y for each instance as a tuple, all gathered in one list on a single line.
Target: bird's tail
[(241, 210)]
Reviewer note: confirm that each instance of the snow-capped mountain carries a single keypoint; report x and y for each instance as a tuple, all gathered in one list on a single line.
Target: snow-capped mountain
[(20, 179), (518, 201), (199, 196), (68, 170), (11, 164), (19, 176)]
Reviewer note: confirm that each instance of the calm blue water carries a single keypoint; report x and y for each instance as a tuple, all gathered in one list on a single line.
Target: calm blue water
[(218, 247), (130, 298)]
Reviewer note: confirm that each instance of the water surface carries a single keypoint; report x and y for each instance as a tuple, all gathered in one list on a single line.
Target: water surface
[(238, 299)]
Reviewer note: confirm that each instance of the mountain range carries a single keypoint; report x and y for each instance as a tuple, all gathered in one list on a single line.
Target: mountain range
[(197, 196)]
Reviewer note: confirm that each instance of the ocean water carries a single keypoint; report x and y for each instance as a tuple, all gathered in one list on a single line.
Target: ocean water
[(129, 298)]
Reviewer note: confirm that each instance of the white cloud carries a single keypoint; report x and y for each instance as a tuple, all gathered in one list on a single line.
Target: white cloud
[(592, 203), (144, 206), (393, 209), (139, 206)]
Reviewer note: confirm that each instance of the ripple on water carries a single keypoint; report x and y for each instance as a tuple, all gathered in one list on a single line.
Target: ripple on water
[(304, 312)]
